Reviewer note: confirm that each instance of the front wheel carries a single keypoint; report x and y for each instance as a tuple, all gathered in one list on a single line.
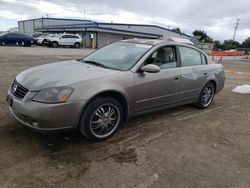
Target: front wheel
[(206, 96), (101, 119), (54, 44)]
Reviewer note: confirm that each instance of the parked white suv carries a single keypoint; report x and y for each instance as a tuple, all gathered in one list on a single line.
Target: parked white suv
[(64, 40)]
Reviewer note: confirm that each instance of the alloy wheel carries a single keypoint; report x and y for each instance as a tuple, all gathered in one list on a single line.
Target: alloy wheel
[(105, 120), (207, 95)]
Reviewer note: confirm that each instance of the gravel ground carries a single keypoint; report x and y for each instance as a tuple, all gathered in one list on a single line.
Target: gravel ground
[(180, 147)]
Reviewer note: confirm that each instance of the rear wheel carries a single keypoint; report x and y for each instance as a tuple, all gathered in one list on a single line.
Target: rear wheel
[(206, 96), (28, 43), (101, 119), (77, 45)]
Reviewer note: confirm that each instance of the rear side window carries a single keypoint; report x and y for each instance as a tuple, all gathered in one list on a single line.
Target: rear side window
[(190, 57), (70, 36)]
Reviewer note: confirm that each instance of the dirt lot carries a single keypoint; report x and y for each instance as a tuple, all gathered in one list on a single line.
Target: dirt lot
[(181, 147)]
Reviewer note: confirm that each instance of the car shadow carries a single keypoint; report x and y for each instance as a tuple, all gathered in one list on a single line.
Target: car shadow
[(73, 142)]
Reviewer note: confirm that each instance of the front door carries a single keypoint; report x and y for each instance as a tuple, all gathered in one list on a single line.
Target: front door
[(153, 90), (64, 40)]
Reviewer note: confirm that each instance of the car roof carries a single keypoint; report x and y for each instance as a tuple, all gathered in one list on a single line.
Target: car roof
[(170, 41), (153, 42), (67, 34)]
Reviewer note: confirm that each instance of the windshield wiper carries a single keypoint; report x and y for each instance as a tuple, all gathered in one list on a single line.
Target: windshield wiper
[(96, 63)]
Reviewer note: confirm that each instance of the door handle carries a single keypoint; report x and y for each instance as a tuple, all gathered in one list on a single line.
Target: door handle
[(205, 73)]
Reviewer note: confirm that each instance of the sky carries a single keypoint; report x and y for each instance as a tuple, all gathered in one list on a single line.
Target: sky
[(217, 18)]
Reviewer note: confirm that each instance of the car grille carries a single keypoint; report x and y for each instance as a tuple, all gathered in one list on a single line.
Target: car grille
[(18, 90)]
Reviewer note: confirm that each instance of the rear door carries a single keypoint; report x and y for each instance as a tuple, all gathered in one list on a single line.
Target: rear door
[(154, 90), (193, 72)]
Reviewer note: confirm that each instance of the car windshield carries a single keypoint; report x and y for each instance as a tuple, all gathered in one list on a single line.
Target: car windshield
[(56, 36), (2, 34), (119, 55)]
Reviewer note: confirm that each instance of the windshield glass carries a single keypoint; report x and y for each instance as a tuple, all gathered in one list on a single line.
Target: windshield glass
[(1, 34), (56, 36), (119, 55)]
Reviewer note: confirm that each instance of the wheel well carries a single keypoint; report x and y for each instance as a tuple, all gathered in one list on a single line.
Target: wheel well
[(116, 95), (77, 43), (214, 83)]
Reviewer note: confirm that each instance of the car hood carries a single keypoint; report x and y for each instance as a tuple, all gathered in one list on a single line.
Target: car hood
[(64, 73)]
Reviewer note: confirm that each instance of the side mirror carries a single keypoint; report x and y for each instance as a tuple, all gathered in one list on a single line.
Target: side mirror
[(151, 68)]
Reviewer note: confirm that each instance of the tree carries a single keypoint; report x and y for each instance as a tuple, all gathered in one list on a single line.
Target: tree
[(203, 37), (218, 45), (177, 30), (230, 44), (246, 43)]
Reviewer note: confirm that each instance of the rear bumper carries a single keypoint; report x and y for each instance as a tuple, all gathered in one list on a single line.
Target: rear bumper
[(46, 117)]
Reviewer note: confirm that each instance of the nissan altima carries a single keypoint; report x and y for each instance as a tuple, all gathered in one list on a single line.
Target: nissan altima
[(124, 79)]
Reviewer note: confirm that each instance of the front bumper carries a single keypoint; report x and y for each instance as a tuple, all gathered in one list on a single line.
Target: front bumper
[(46, 117)]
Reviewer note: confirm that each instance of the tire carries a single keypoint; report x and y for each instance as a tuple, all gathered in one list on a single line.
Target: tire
[(28, 44), (54, 44), (206, 96), (101, 119), (77, 45)]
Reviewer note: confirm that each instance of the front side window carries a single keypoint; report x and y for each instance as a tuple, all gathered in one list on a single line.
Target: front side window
[(65, 36), (190, 57), (164, 57), (119, 55)]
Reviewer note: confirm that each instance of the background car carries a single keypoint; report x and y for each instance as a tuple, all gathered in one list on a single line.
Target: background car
[(37, 34), (16, 39), (72, 40), (41, 40)]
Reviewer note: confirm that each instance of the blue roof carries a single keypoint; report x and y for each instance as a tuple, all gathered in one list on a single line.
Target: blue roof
[(103, 23)]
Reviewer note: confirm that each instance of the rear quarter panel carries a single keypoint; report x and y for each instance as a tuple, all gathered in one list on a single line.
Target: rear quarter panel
[(215, 73)]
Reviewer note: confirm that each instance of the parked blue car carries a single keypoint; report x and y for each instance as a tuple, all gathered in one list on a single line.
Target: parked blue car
[(16, 39)]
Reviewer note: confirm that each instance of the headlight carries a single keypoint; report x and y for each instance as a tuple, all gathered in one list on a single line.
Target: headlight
[(53, 95)]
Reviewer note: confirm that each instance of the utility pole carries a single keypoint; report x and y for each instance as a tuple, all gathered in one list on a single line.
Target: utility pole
[(235, 28)]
